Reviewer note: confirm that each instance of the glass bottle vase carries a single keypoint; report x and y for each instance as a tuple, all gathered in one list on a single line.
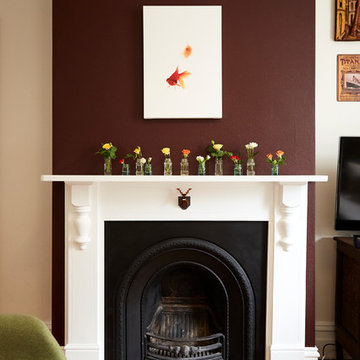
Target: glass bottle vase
[(107, 166), (237, 169), (167, 166), (218, 166), (139, 167), (125, 169), (184, 167), (148, 169), (202, 169), (250, 167), (275, 169)]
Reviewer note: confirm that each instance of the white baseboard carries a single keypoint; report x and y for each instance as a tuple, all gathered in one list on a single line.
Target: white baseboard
[(82, 351), (286, 352), (311, 353), (325, 334)]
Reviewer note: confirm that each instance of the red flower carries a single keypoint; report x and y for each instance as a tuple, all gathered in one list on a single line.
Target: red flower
[(269, 156), (234, 158), (121, 161), (280, 153)]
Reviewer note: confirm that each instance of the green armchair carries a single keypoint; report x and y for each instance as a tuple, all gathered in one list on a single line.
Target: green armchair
[(24, 337)]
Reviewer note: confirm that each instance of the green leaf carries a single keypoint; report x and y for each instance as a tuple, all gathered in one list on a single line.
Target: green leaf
[(210, 149)]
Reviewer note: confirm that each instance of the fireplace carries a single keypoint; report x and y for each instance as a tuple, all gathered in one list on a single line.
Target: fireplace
[(190, 289), (94, 202)]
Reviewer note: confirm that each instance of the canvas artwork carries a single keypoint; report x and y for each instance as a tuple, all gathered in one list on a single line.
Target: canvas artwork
[(182, 62), (348, 78), (347, 20)]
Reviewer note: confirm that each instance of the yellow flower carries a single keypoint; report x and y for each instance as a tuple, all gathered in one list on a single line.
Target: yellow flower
[(107, 146), (166, 151), (137, 150), (217, 147)]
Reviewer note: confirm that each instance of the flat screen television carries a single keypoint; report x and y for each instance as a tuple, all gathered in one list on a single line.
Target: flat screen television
[(347, 215)]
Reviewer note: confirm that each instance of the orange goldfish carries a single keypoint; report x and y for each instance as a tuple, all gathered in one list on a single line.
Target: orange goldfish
[(177, 79), (187, 51)]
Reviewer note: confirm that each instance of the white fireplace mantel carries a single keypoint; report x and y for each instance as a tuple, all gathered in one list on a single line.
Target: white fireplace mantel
[(90, 200)]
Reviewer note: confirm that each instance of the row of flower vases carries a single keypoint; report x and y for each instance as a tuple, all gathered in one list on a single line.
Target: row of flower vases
[(146, 169)]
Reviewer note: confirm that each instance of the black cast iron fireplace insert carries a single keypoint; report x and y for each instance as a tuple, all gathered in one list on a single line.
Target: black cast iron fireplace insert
[(183, 290)]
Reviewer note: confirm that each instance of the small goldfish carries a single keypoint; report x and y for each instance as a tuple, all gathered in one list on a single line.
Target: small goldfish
[(187, 51), (177, 79)]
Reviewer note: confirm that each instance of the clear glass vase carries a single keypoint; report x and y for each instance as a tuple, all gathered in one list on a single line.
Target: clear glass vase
[(125, 169), (167, 166), (202, 169), (184, 167), (275, 169), (148, 169), (139, 167), (107, 166), (237, 169), (250, 167), (218, 166)]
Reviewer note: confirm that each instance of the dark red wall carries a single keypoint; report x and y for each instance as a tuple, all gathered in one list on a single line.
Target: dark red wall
[(268, 90)]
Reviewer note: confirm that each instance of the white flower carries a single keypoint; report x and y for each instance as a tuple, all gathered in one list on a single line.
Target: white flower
[(251, 145), (149, 160), (199, 158), (143, 160), (207, 157)]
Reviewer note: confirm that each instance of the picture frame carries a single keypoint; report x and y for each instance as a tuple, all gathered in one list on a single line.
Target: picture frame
[(348, 78), (347, 22), (182, 62)]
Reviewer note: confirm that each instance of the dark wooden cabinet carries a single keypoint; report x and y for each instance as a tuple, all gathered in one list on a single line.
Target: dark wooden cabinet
[(347, 315)]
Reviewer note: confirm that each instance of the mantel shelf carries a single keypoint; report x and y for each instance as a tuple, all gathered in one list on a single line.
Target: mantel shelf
[(184, 179)]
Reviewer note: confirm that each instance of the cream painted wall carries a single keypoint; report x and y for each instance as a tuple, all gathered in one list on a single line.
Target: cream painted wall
[(333, 119), (25, 154)]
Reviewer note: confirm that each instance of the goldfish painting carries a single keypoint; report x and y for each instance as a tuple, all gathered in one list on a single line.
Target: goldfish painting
[(177, 79), (188, 50)]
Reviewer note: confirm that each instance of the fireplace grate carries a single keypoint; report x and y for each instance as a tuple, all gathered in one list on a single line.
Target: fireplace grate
[(183, 328), (206, 348)]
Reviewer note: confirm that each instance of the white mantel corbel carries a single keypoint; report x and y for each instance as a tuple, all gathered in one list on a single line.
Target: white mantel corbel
[(290, 201), (81, 202)]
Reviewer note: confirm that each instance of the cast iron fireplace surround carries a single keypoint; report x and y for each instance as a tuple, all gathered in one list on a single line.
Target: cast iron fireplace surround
[(217, 269)]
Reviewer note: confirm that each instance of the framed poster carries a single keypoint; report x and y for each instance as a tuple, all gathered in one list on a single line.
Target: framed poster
[(348, 78), (182, 62), (347, 22)]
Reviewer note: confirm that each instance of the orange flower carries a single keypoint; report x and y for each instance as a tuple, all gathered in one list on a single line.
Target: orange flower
[(279, 153), (185, 152), (269, 156)]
